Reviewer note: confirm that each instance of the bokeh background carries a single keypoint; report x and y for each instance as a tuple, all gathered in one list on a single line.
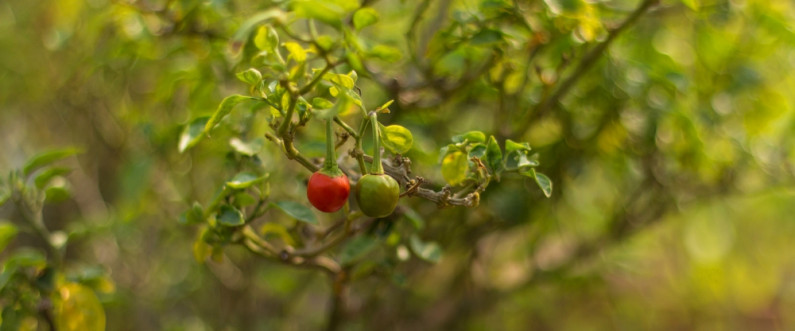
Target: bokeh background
[(671, 157)]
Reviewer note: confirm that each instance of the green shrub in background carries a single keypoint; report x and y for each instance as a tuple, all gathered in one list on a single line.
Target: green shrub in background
[(664, 126)]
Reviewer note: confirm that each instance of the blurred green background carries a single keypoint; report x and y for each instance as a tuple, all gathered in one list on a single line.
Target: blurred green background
[(672, 160)]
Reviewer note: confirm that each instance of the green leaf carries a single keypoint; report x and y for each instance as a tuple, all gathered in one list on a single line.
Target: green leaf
[(357, 248), (386, 104), (266, 38), (201, 250), (245, 29), (297, 52), (251, 76), (245, 180), (692, 4), (47, 158), (224, 109), (192, 133), (342, 80), (320, 103), (330, 12), (249, 148), (57, 192), (519, 160), (45, 176), (486, 36), (7, 233), (194, 215), (344, 101), (454, 167), (416, 219), (430, 251), (387, 53), (229, 216), (512, 146), (544, 183), (471, 136), (297, 211), (364, 17), (396, 138), (478, 151), (494, 156), (542, 180), (26, 258)]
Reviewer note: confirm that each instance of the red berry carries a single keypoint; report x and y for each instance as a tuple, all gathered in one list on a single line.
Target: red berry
[(328, 194)]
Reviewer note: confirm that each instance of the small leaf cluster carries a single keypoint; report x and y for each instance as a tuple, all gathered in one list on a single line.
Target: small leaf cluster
[(32, 282), (473, 160)]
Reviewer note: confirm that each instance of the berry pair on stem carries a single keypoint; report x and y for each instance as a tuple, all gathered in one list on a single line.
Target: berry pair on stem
[(376, 193)]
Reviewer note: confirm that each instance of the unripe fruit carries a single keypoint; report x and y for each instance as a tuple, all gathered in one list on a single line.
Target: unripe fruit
[(377, 195)]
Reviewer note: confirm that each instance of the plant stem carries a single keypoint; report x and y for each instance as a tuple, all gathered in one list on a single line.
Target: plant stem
[(331, 157), (588, 61), (346, 127), (377, 168), (288, 117), (337, 311)]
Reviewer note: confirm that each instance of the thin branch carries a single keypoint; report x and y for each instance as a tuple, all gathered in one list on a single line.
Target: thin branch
[(584, 65)]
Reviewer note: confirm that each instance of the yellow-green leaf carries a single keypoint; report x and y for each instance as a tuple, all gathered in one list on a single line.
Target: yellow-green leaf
[(297, 52), (78, 308), (396, 139), (454, 167), (266, 38), (364, 17), (224, 109)]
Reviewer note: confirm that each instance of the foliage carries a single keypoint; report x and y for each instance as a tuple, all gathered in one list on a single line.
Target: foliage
[(562, 164)]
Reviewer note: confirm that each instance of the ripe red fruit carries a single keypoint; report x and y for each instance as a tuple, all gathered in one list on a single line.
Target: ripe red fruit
[(328, 194)]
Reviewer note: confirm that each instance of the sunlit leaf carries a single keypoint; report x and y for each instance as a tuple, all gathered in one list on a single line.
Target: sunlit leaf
[(320, 103), (330, 12), (192, 133), (251, 76), (7, 233), (297, 52), (245, 29), (77, 308), (201, 250), (266, 38), (692, 4), (386, 53), (454, 167), (224, 109), (471, 136), (245, 180), (248, 148), (512, 146), (386, 104), (365, 17), (396, 138)]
